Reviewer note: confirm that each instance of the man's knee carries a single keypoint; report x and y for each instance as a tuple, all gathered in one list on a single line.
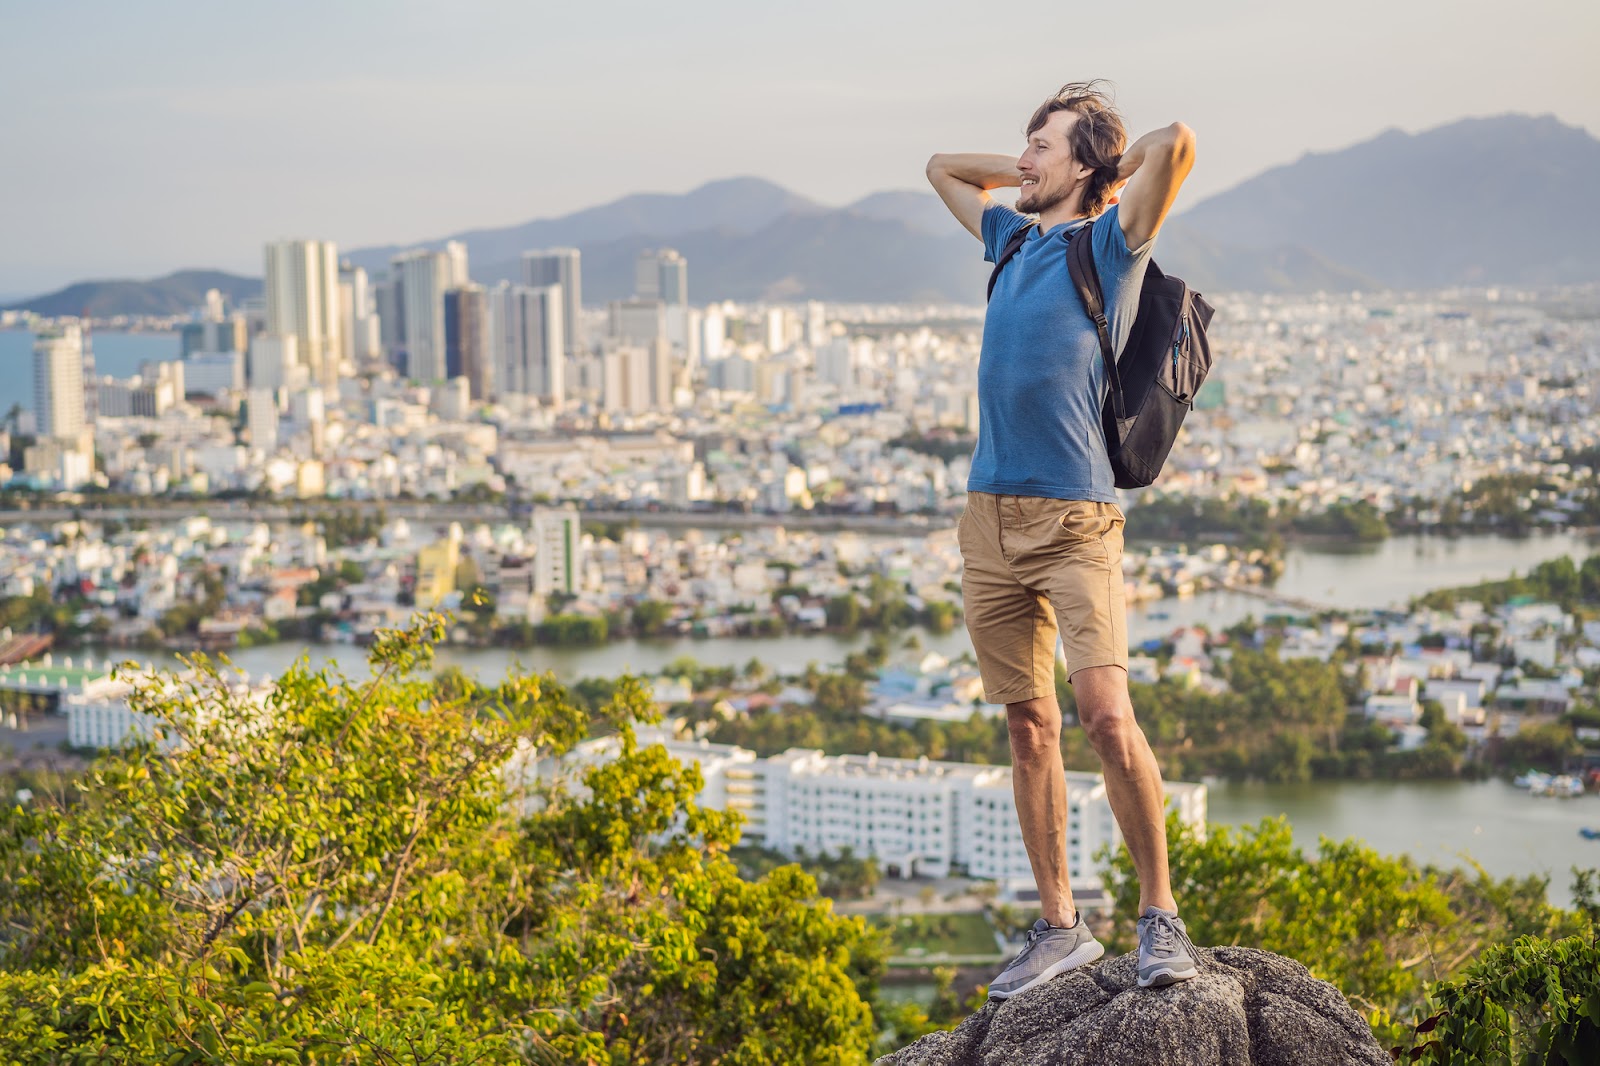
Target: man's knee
[(1109, 725), (1035, 728)]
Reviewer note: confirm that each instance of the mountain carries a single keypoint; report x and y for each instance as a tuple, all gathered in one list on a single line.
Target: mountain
[(174, 294), (1507, 199), (830, 255), (739, 205), (1480, 201)]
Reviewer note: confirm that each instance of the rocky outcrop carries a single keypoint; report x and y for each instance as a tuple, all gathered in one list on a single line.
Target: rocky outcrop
[(1245, 1007)]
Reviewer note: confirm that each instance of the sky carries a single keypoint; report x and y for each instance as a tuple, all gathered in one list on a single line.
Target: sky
[(141, 138)]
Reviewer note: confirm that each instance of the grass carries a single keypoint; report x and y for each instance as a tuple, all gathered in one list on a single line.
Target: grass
[(932, 935)]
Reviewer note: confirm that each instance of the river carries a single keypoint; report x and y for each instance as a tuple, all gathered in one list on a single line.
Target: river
[(1382, 575), (1507, 830), (1504, 828)]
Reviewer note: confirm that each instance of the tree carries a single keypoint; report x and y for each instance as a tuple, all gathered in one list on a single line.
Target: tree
[(1374, 926), (366, 873)]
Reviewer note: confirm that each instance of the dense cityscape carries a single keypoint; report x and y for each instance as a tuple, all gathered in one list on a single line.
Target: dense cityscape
[(316, 467)]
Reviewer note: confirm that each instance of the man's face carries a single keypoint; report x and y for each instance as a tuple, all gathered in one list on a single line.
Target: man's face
[(1050, 175)]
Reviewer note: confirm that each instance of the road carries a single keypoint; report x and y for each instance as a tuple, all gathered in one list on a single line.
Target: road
[(425, 512)]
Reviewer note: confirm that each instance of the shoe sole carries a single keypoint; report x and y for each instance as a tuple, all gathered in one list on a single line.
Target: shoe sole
[(1084, 955), (1163, 977)]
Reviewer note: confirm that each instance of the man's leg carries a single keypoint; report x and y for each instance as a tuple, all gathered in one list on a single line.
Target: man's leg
[(1133, 778), (1039, 784)]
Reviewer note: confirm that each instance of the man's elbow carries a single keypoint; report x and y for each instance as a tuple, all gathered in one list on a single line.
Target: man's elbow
[(935, 168)]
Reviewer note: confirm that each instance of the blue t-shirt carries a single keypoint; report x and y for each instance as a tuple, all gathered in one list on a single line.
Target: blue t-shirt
[(1041, 379)]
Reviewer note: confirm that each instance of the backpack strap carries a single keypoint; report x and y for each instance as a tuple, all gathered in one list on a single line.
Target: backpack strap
[(1006, 254), (1086, 279)]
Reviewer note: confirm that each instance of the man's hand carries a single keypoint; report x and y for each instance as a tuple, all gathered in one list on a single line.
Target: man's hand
[(963, 183), (1154, 168)]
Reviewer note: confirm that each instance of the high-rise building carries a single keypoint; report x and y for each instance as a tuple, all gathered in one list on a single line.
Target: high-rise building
[(713, 334), (637, 378), (58, 405), (214, 373), (389, 300), (528, 330), (661, 274), (361, 336), (275, 362), (456, 252), (638, 321), (564, 267), (261, 419), (302, 292), (466, 339), (558, 550), (91, 394), (423, 278)]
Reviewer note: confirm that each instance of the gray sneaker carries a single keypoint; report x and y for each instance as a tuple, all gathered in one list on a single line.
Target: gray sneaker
[(1166, 954), (1050, 952)]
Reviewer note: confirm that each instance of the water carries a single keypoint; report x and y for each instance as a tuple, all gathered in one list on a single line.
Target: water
[(117, 354), (1506, 829)]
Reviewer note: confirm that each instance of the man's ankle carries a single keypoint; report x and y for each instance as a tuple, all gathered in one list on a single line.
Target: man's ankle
[(1064, 919)]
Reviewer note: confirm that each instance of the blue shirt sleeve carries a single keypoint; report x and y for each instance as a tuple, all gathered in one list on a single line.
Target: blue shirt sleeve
[(1000, 224), (1121, 273)]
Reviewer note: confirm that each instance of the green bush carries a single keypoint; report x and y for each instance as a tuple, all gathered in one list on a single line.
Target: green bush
[(365, 873)]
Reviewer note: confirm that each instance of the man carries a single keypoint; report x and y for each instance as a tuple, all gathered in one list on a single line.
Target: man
[(1041, 537)]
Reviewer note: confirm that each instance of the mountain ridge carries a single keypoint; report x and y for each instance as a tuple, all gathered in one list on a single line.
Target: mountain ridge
[(1398, 210)]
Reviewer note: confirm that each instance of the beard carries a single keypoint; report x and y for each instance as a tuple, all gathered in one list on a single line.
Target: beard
[(1037, 203)]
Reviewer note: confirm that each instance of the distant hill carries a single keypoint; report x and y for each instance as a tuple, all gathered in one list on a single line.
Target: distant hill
[(174, 294), (1508, 199), (1481, 201), (740, 205)]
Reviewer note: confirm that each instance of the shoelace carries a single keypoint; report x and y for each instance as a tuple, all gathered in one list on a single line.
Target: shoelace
[(1034, 933), (1164, 933)]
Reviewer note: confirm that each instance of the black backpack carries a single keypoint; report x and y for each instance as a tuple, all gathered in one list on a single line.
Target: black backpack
[(1164, 363)]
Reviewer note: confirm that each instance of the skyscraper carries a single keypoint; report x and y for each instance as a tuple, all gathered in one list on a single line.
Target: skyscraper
[(466, 339), (529, 341), (456, 252), (662, 274), (564, 267), (361, 337), (58, 403), (302, 294), (422, 280)]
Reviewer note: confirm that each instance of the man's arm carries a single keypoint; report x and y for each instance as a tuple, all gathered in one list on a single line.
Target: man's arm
[(1154, 167), (963, 183)]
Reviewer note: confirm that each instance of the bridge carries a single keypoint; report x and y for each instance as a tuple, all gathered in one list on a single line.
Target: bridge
[(1268, 595)]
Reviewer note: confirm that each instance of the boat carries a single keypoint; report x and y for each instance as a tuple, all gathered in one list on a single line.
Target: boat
[(1562, 785), (1532, 779), (1589, 834)]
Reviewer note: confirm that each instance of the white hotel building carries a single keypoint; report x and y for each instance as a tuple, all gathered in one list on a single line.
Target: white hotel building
[(915, 816)]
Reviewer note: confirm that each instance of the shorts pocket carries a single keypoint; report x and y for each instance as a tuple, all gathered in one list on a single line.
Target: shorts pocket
[(1088, 523)]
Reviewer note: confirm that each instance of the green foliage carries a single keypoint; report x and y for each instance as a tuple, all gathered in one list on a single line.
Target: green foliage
[(649, 618), (566, 629), (1354, 521), (366, 873), (1560, 581), (1545, 746), (1533, 1001), (1376, 927)]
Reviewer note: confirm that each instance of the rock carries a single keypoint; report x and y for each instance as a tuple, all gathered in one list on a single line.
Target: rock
[(1245, 1007)]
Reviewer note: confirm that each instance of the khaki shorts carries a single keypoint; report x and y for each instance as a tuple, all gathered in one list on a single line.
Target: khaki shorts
[(1030, 565)]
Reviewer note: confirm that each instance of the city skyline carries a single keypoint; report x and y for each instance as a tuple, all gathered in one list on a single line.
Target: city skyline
[(313, 133)]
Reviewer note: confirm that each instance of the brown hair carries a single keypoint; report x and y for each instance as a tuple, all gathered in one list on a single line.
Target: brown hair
[(1098, 138)]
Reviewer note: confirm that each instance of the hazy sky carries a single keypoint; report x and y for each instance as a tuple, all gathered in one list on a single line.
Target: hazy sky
[(141, 137)]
